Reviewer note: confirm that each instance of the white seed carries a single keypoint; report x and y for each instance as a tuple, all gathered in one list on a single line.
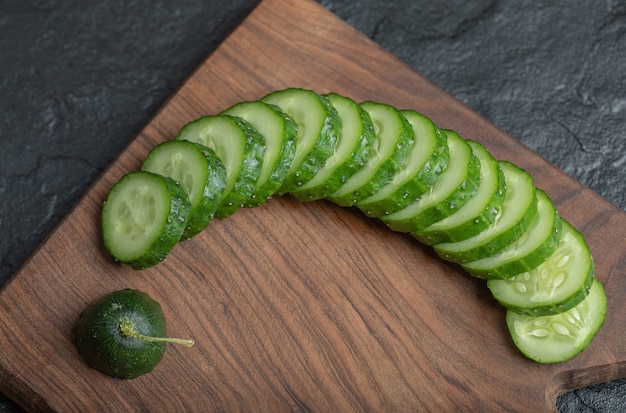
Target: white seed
[(558, 280), (540, 332), (570, 318), (561, 329), (562, 261)]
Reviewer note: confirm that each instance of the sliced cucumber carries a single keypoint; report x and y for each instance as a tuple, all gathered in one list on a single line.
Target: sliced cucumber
[(393, 141), (200, 173), (280, 132), (318, 128), (561, 282), (559, 337), (456, 186), (425, 162), (483, 214), (240, 148), (479, 212), (531, 249), (518, 210), (143, 218), (355, 142)]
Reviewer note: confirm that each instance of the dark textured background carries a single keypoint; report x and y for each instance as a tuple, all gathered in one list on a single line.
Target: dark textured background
[(79, 79)]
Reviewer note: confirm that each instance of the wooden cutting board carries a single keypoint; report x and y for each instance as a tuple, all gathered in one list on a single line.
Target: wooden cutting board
[(302, 307)]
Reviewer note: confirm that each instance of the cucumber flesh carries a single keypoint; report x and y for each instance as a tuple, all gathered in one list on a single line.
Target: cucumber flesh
[(425, 162), (456, 186), (143, 218), (280, 132), (536, 244), (559, 337), (518, 210), (479, 212), (448, 192), (393, 140), (200, 173), (561, 282), (318, 128), (355, 142), (240, 148)]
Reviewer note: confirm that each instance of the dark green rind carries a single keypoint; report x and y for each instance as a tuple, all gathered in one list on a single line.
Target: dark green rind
[(463, 224), (306, 164), (509, 261), (435, 209), (242, 192), (282, 148), (538, 282), (212, 197), (427, 169), (341, 166), (172, 228), (481, 245), (102, 346), (377, 172), (214, 182)]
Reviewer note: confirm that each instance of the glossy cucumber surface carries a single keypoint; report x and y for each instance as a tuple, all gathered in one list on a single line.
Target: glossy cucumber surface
[(143, 218), (279, 132), (393, 140), (394, 165), (241, 150), (199, 172)]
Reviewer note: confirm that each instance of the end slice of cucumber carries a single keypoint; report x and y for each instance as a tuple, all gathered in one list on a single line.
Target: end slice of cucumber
[(200, 173), (559, 337), (240, 148), (561, 282), (143, 218)]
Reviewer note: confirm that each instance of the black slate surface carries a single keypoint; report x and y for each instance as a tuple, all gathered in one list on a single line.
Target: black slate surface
[(79, 79)]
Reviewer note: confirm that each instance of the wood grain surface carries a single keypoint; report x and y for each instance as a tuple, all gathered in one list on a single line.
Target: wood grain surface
[(302, 307)]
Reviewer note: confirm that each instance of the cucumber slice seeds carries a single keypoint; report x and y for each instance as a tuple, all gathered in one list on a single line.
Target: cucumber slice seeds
[(143, 218), (396, 165)]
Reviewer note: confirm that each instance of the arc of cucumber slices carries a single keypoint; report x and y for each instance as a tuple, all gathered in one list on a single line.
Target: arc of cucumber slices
[(395, 165)]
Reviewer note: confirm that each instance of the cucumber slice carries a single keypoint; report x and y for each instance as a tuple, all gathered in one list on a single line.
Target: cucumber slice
[(280, 132), (200, 173), (561, 282), (518, 210), (479, 212), (318, 128), (241, 150), (456, 185), (536, 244), (143, 217), (355, 142), (425, 162), (559, 337), (393, 140)]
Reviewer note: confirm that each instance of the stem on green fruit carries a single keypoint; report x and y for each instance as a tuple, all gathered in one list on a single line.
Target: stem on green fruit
[(129, 329)]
